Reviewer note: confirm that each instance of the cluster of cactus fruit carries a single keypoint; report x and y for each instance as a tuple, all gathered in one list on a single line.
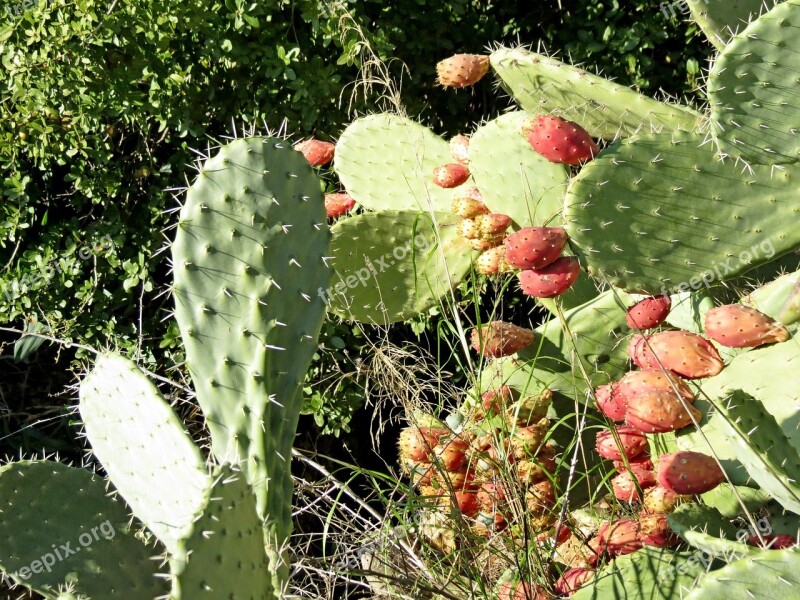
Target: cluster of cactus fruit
[(635, 215)]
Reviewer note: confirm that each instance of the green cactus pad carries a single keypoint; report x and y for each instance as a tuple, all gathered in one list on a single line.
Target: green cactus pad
[(226, 548), (605, 109), (378, 279), (142, 445), (386, 162), (752, 89), (707, 530), (599, 332), (62, 517), (728, 499), (661, 213), (770, 575), (512, 178), (248, 261), (719, 19), (647, 574)]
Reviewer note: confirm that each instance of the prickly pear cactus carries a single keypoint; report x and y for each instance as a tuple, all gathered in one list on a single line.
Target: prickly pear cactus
[(720, 20), (766, 576)]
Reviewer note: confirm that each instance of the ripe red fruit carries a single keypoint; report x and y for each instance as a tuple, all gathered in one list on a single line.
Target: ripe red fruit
[(739, 326), (633, 441), (689, 355), (492, 225), (621, 537), (521, 591), (459, 149), (451, 453), (494, 402), (559, 140), (610, 403), (624, 485), (499, 338), (688, 472), (636, 383), (467, 502), (337, 205), (643, 461), (660, 412), (317, 152), (654, 531), (417, 443), (535, 247), (648, 313), (573, 579), (462, 70), (450, 175), (780, 541), (551, 281)]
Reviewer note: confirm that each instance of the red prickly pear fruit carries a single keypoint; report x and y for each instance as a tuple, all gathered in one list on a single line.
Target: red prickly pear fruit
[(636, 349), (657, 411), (636, 383), (459, 149), (689, 355), (648, 313), (573, 579), (609, 403), (526, 441), (521, 591), (317, 152), (621, 537), (468, 228), (462, 70), (738, 326), (654, 531), (492, 262), (494, 402), (451, 453), (484, 244), (688, 472), (624, 485), (559, 140), (337, 205), (416, 443), (540, 497), (633, 441), (643, 461), (659, 499), (447, 481), (535, 247), (467, 502), (468, 204), (780, 541), (450, 175), (551, 281), (548, 538), (499, 338), (492, 225)]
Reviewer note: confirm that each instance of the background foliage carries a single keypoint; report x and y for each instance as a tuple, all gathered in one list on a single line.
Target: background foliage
[(103, 102)]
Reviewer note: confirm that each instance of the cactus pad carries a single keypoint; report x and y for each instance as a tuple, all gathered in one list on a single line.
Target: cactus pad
[(605, 109), (142, 446), (661, 213), (706, 529), (59, 527), (513, 179), (719, 19), (752, 89), (779, 299), (379, 279), (226, 548), (769, 575), (386, 162)]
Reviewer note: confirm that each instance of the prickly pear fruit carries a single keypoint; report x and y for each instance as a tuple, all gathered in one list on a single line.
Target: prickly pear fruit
[(560, 141), (648, 313), (467, 502), (551, 281), (573, 579), (468, 228), (609, 403), (526, 441), (450, 175), (661, 500), (492, 262), (499, 338), (492, 225), (317, 152), (780, 541), (530, 409), (688, 472), (621, 537), (739, 326), (530, 471), (540, 497), (689, 355), (462, 70), (624, 483), (494, 402), (337, 205), (521, 591), (535, 247), (654, 531), (468, 204), (643, 461), (451, 453), (458, 479), (633, 441), (659, 412), (485, 244), (459, 149), (416, 443), (636, 383)]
